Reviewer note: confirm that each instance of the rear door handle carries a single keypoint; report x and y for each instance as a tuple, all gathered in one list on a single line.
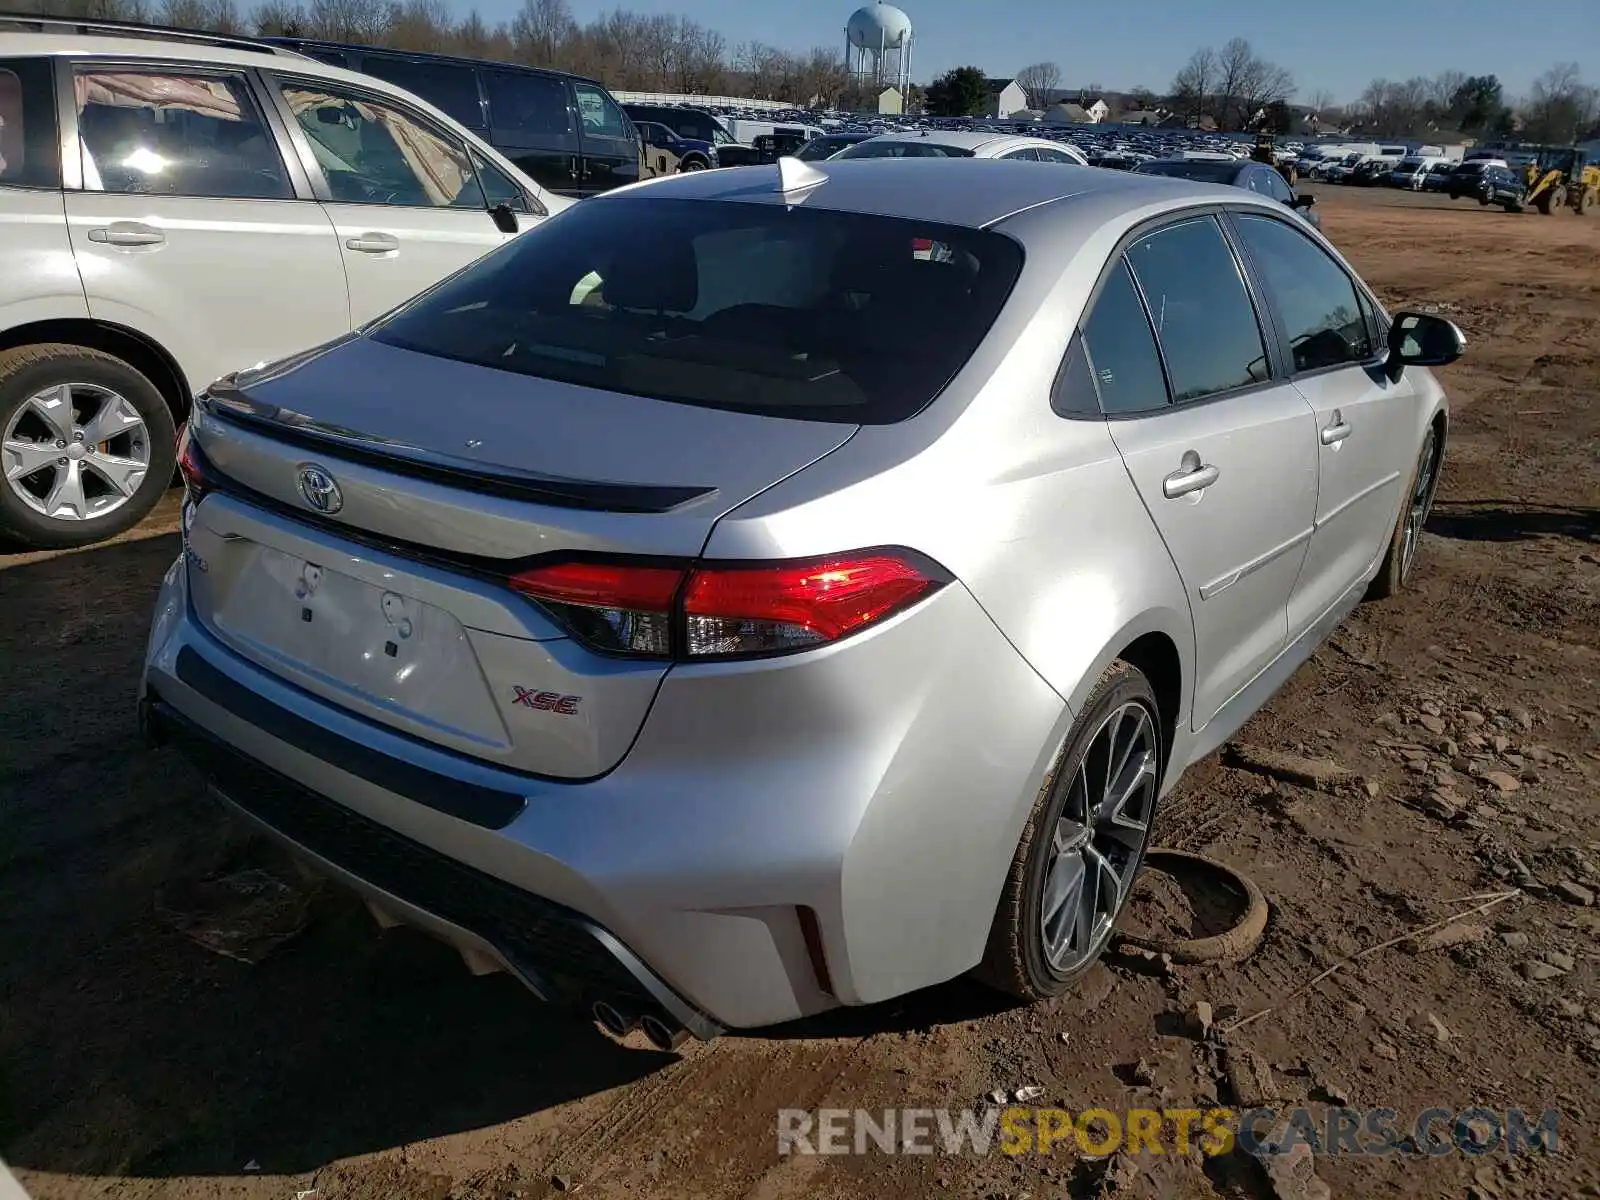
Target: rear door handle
[(1336, 430), (373, 243), (1191, 476), (127, 233)]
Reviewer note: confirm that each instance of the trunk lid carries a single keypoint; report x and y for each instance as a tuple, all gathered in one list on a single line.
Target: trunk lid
[(392, 602)]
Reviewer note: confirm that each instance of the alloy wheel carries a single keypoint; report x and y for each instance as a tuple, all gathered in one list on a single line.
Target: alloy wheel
[(1099, 837), (1420, 504), (75, 451)]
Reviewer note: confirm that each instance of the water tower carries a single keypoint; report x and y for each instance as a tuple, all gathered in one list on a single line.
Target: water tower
[(877, 49)]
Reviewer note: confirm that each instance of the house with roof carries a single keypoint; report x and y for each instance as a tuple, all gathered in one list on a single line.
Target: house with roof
[(1067, 114), (1095, 106), (1006, 98)]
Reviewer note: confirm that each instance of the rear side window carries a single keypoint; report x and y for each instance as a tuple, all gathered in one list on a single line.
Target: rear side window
[(528, 104), (451, 89), (174, 133), (30, 154), (787, 312), (1122, 351), (1202, 313), (1314, 299)]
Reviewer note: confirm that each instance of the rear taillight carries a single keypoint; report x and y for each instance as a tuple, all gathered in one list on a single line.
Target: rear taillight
[(616, 607), (711, 610), (192, 466)]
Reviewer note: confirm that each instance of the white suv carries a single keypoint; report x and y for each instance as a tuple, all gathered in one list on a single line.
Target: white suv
[(174, 207)]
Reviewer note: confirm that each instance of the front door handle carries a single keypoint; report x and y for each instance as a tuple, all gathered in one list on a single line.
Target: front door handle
[(127, 233), (1336, 430), (1191, 476), (374, 243)]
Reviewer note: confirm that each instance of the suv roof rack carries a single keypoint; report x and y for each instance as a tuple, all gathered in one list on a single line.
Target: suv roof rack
[(84, 25)]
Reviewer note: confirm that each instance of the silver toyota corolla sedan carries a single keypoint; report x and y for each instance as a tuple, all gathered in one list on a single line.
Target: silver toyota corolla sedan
[(770, 589)]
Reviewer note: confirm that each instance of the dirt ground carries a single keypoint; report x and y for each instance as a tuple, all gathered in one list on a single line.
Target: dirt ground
[(349, 1064)]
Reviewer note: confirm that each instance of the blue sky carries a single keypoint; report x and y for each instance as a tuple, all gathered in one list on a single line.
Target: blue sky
[(1337, 46)]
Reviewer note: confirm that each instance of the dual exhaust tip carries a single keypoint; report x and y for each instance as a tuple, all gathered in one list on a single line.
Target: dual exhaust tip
[(664, 1034)]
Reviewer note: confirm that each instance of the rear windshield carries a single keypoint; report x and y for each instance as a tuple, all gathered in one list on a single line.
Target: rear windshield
[(918, 149), (792, 312), (1202, 170)]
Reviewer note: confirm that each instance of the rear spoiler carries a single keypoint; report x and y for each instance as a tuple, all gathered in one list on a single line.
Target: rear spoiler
[(227, 404)]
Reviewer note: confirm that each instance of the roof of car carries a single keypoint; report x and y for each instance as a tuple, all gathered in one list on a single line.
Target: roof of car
[(418, 55), (20, 43), (961, 139), (972, 192)]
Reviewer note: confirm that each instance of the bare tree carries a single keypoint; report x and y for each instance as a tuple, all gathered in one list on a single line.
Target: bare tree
[(1191, 87), (541, 29), (419, 24), (1039, 80), (365, 21), (1561, 107)]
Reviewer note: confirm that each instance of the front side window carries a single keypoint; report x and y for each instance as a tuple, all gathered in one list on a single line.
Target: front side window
[(372, 152), (500, 188), (451, 89), (168, 133), (1315, 300), (1026, 154), (30, 155), (598, 112), (1122, 351), (1202, 313), (528, 104), (786, 312)]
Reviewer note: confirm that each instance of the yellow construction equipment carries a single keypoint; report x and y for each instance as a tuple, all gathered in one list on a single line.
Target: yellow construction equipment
[(1563, 178)]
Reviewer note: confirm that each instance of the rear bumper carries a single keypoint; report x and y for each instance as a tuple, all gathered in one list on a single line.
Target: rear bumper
[(556, 952), (858, 805)]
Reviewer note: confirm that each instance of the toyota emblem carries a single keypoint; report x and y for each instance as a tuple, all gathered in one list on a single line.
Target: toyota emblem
[(319, 489)]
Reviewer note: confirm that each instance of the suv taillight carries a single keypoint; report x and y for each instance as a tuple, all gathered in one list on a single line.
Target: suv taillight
[(735, 610)]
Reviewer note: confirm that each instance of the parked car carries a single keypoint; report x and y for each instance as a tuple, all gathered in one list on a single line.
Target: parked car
[(1466, 179), (564, 131), (687, 154), (1413, 173), (1255, 176), (950, 143), (671, 664), (1504, 187), (1371, 173), (221, 203), (827, 145), (696, 125)]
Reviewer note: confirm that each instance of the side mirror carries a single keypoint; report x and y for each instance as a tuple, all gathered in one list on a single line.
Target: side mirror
[(1418, 339), (1303, 201), (504, 218)]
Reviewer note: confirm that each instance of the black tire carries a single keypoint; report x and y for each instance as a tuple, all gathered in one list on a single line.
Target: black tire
[(1398, 566), (694, 163), (28, 370), (1014, 960)]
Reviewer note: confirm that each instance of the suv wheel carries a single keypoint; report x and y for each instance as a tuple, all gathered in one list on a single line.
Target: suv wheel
[(86, 445), (1083, 845)]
